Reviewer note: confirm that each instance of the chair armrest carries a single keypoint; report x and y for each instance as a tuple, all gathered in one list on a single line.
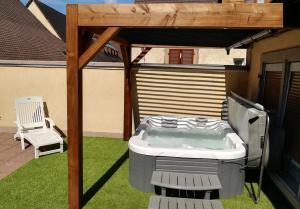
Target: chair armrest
[(51, 122), (20, 128)]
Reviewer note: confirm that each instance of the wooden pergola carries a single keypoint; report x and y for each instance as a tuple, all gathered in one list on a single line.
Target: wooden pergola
[(188, 24)]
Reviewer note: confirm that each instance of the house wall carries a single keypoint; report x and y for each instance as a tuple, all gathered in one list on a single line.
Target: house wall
[(282, 41), (103, 93), (219, 56), (34, 9), (155, 55), (204, 56)]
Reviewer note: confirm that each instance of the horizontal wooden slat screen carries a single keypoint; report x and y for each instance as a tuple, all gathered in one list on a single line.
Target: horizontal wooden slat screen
[(292, 116), (180, 92)]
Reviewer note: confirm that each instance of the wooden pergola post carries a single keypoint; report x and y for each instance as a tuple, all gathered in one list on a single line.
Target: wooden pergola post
[(74, 106), (127, 125), (79, 53)]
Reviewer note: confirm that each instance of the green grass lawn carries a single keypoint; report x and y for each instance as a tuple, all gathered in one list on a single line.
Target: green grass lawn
[(42, 183)]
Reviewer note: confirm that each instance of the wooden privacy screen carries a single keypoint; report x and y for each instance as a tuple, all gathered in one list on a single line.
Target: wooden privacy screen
[(181, 92), (292, 117)]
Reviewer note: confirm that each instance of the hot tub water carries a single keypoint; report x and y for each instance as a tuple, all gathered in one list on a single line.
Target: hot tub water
[(186, 138)]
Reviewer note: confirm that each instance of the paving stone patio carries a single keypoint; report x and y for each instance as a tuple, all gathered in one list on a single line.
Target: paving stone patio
[(12, 156)]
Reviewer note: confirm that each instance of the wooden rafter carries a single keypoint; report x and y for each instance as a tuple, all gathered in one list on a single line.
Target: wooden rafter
[(178, 15), (141, 55), (99, 31), (100, 42)]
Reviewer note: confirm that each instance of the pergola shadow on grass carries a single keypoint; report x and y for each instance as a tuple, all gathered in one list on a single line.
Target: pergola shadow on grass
[(103, 179), (171, 24)]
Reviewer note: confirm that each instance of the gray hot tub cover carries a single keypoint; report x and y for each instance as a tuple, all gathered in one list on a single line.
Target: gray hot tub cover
[(250, 123)]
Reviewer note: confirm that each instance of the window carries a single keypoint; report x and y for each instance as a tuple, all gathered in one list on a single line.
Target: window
[(238, 61), (181, 56), (272, 85), (292, 112)]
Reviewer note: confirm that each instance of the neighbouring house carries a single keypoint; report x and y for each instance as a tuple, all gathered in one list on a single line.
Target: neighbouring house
[(191, 55), (55, 22), (33, 62)]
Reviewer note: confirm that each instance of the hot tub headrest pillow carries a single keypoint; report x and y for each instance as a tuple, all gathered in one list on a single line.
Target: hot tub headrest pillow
[(249, 123)]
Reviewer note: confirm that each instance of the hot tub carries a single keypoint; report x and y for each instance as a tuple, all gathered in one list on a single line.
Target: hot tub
[(189, 145)]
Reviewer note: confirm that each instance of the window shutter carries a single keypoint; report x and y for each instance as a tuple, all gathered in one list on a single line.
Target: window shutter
[(181, 56), (174, 56), (292, 116), (272, 89), (187, 56)]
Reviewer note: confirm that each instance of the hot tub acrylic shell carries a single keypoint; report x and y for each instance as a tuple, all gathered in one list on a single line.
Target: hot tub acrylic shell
[(227, 164)]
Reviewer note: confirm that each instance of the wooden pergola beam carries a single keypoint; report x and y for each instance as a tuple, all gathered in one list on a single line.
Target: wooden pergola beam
[(171, 15), (100, 42)]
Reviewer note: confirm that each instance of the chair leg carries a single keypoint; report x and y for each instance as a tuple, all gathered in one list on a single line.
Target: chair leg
[(22, 143), (61, 147), (207, 195), (36, 152)]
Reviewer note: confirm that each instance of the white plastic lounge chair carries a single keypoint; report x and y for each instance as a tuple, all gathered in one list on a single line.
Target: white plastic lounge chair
[(31, 125)]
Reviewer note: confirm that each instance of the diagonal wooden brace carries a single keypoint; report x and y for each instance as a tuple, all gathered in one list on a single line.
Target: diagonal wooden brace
[(95, 47), (141, 55)]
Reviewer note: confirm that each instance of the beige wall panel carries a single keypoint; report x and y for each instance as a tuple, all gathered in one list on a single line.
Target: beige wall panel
[(20, 81), (218, 56), (103, 97), (155, 55), (282, 41), (102, 94), (159, 91)]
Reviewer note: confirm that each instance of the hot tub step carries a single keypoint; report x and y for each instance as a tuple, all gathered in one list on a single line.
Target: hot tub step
[(185, 181), (160, 202)]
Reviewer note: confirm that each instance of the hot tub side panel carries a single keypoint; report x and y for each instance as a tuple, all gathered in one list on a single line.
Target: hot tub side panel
[(141, 168), (232, 177), (231, 173)]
